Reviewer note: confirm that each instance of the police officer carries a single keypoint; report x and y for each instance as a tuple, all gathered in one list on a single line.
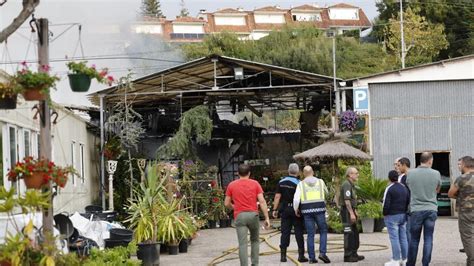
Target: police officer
[(309, 201), (349, 216), (283, 204)]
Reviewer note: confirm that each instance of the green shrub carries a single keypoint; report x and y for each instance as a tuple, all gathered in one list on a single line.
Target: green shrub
[(371, 209)]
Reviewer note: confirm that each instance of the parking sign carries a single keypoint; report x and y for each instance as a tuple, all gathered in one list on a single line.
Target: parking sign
[(361, 99)]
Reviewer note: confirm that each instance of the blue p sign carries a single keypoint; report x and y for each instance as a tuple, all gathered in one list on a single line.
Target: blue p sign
[(361, 99)]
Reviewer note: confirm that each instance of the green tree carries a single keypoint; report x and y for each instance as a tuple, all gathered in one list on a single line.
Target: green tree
[(151, 8), (456, 16), (184, 11), (302, 48), (423, 40)]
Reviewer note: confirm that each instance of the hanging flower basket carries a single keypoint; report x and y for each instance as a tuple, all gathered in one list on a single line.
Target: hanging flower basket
[(79, 82), (35, 85), (80, 76), (35, 181), (38, 172), (33, 94), (8, 102)]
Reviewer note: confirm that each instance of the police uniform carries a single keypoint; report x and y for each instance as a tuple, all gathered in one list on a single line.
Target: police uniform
[(286, 187), (312, 193), (351, 234)]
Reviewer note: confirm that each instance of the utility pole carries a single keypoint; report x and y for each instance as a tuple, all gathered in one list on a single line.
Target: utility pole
[(45, 121), (336, 91), (402, 35)]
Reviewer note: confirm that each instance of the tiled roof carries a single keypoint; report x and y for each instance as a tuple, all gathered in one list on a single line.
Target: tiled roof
[(363, 21), (189, 19), (270, 9), (152, 19), (343, 5), (229, 10), (307, 8)]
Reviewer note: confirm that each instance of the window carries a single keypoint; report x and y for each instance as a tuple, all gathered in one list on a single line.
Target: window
[(73, 161), (82, 165), (27, 142), (13, 152)]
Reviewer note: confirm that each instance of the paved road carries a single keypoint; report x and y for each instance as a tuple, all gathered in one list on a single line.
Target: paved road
[(375, 247)]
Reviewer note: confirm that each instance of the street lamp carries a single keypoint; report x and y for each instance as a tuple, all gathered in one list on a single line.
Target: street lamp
[(111, 168)]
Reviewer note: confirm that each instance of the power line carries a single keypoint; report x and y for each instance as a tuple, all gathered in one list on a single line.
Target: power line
[(97, 58)]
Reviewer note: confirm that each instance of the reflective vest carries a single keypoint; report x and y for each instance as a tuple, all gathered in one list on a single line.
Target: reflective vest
[(312, 197)]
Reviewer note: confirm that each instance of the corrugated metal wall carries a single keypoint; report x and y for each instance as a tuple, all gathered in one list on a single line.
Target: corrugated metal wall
[(407, 118)]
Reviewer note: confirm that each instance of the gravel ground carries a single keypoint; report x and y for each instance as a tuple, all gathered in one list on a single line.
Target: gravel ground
[(375, 247)]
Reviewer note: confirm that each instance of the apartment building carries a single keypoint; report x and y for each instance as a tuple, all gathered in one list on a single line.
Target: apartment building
[(255, 24)]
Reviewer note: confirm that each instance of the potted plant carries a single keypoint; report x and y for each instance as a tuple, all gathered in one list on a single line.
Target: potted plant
[(188, 233), (113, 148), (368, 212), (8, 91), (38, 172), (348, 120), (35, 85), (372, 189), (144, 214), (171, 228), (80, 76)]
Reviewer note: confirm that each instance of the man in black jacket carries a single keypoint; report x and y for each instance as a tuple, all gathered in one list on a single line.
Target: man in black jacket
[(395, 207)]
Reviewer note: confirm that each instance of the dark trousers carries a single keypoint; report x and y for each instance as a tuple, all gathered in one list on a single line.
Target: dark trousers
[(289, 220), (351, 235)]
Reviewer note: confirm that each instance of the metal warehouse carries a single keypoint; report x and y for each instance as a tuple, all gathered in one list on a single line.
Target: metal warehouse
[(421, 109)]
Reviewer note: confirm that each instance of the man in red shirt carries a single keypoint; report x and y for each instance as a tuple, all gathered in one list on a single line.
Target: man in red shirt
[(242, 195)]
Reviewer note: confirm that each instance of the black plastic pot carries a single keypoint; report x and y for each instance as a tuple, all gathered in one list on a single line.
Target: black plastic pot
[(379, 224), (224, 223), (183, 246), (173, 250), (79, 82), (163, 248), (190, 240), (111, 243), (64, 225), (93, 209), (121, 234), (211, 224), (8, 102), (149, 254)]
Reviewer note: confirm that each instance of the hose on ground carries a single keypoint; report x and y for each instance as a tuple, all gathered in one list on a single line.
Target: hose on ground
[(336, 247)]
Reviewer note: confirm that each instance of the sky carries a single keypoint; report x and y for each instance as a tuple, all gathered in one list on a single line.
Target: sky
[(97, 17)]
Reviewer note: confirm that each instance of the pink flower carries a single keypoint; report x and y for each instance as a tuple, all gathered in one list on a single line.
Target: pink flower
[(45, 68), (24, 63), (110, 80), (93, 66)]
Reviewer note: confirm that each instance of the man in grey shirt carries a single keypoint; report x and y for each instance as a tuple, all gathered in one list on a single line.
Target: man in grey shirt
[(424, 184)]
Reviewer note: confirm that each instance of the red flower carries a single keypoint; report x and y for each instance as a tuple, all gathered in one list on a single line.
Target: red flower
[(213, 183), (45, 68), (110, 80), (215, 199)]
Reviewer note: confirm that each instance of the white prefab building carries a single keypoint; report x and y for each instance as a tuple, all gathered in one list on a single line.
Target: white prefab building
[(72, 144)]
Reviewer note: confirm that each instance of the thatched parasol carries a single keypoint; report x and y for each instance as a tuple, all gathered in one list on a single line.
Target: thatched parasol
[(333, 150)]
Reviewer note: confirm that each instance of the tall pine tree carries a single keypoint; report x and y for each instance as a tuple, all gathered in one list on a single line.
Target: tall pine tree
[(151, 8), (184, 11)]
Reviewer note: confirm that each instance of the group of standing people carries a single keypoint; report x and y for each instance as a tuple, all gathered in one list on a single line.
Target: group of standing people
[(409, 208)]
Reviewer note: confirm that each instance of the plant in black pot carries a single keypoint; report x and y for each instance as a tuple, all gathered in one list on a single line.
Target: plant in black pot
[(80, 76), (8, 91), (144, 215), (171, 226)]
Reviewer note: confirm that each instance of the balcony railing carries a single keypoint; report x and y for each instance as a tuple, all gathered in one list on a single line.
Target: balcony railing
[(189, 36)]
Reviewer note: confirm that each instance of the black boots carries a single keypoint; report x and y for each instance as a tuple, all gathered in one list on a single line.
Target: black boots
[(301, 257), (283, 254)]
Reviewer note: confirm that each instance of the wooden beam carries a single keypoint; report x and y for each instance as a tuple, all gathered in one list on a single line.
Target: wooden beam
[(250, 107)]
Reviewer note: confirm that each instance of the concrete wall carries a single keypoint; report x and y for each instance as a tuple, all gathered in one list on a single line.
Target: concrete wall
[(69, 128)]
